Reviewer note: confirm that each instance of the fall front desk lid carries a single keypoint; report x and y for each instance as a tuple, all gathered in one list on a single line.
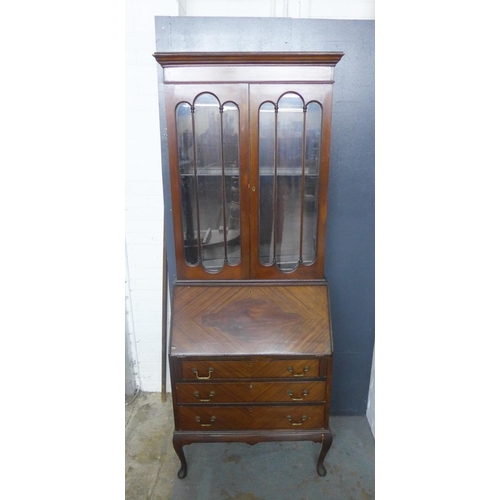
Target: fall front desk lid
[(251, 320)]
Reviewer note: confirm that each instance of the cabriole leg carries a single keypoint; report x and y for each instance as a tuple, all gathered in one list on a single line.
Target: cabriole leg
[(178, 445), (327, 442)]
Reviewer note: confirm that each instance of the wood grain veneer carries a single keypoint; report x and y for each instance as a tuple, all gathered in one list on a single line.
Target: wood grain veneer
[(200, 59), (267, 368), (251, 417), (267, 345), (246, 392), (228, 320)]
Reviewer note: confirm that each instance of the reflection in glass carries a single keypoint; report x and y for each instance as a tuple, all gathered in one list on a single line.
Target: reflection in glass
[(230, 143), (209, 175), (209, 181), (312, 162), (266, 182), (289, 181), (188, 186)]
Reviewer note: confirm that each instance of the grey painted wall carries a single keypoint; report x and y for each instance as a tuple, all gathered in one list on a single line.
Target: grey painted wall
[(350, 232)]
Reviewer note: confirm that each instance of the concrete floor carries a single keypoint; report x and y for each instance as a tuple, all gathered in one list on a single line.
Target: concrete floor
[(237, 471)]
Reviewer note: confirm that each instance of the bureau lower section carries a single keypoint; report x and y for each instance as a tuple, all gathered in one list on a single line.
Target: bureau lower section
[(251, 399)]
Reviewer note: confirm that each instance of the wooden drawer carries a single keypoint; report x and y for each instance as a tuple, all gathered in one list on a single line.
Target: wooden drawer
[(286, 417), (245, 392), (268, 368)]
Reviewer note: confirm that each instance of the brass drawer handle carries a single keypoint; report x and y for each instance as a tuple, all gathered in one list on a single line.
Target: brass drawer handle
[(210, 371), (212, 420), (290, 369), (210, 396), (303, 419), (305, 392)]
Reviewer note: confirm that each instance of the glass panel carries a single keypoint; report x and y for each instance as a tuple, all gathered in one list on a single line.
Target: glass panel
[(188, 187), (230, 142), (312, 163), (266, 183), (207, 125), (289, 181)]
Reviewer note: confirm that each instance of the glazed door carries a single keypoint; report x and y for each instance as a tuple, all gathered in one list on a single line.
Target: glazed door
[(289, 157), (249, 176), (207, 128)]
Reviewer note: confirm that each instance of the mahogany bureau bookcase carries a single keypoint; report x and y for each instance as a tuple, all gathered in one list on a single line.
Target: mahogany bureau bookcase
[(251, 341)]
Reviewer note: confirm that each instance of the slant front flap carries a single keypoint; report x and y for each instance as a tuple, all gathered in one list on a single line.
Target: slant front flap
[(250, 320)]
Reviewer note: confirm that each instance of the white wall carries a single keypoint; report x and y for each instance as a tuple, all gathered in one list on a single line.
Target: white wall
[(143, 186), (143, 183), (319, 9)]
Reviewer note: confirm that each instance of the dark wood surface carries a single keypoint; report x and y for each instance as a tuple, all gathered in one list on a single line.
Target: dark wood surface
[(263, 368), (255, 78), (251, 417), (248, 98), (250, 362), (250, 321), (187, 93), (253, 391), (166, 59), (271, 93)]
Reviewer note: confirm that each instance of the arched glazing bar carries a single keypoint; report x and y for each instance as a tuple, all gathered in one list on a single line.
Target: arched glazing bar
[(312, 162)]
